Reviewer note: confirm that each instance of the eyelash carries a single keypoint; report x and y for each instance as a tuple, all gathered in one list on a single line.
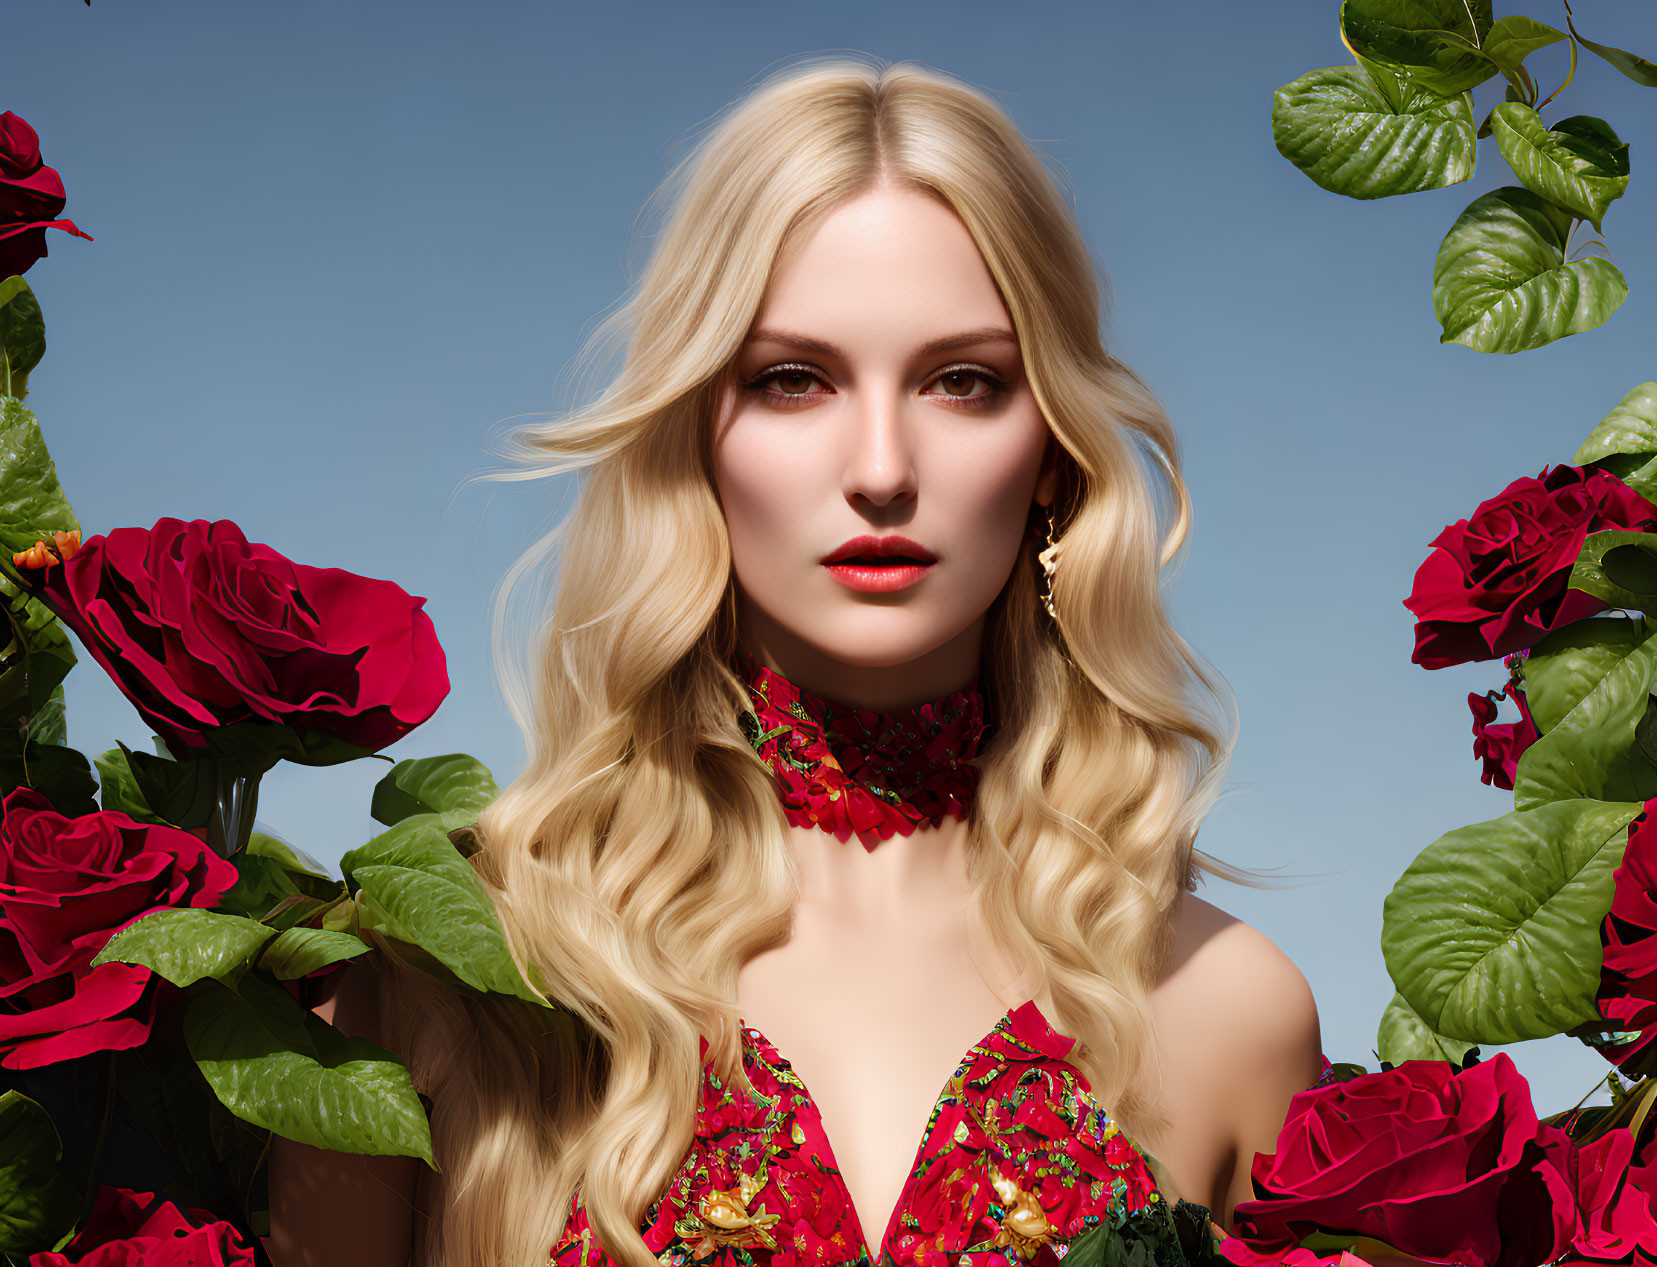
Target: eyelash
[(760, 382)]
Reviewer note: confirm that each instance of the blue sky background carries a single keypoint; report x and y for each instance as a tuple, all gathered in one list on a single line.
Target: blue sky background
[(340, 246)]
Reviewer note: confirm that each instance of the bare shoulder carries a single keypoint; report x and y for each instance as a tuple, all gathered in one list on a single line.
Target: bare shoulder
[(1248, 993)]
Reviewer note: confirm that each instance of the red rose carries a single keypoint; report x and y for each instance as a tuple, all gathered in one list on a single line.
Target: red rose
[(66, 886), (1453, 1167), (1627, 996), (141, 1229), (31, 195), (1614, 1199), (1497, 582), (1501, 745), (203, 630)]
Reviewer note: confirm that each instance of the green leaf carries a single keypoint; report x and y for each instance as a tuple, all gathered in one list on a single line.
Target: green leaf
[(1512, 39), (38, 1204), (275, 1065), (1501, 283), (292, 859), (22, 336), (1592, 751), (1403, 1035), (1337, 127), (32, 504), (1492, 934), (1437, 41), (185, 944), (1581, 164), (431, 896), (1568, 663), (183, 793), (1636, 68), (433, 785), (298, 952), (61, 774), (1629, 428), (1615, 567), (118, 790)]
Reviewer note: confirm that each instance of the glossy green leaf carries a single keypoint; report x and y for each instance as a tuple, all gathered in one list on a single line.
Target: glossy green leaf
[(430, 895), (1580, 164), (1511, 39), (1629, 428), (1591, 752), (275, 1065), (291, 858), (1492, 934), (1337, 127), (32, 504), (1403, 1035), (22, 336), (1568, 663), (185, 944), (1616, 567), (1501, 282), (454, 782), (60, 774), (1437, 41), (183, 793), (298, 952), (35, 657), (38, 1204)]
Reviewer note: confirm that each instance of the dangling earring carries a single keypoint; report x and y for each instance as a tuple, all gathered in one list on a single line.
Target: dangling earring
[(1049, 559)]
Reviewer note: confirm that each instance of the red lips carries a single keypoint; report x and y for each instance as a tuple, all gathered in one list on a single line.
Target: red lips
[(868, 547)]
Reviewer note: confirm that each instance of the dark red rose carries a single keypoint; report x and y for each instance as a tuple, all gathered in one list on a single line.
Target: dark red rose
[(1447, 1166), (141, 1229), (1614, 1199), (202, 629), (1500, 745), (31, 195), (1496, 582), (66, 886), (1627, 996)]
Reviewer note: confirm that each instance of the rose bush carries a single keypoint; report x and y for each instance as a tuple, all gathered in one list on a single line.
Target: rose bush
[(140, 1229), (31, 196), (1497, 581), (67, 885), (203, 630), (1439, 1164)]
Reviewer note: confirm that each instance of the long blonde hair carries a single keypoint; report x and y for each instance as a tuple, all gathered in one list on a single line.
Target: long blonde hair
[(639, 860)]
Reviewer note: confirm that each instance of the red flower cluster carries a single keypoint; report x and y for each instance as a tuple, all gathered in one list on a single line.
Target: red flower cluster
[(140, 1229), (67, 885), (1497, 581), (202, 629), (1500, 745), (1447, 1166), (31, 196), (1627, 996)]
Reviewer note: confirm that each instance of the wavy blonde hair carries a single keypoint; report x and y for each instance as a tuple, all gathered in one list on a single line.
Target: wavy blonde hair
[(640, 858)]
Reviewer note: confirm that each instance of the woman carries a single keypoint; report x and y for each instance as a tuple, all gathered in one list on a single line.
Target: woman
[(863, 391)]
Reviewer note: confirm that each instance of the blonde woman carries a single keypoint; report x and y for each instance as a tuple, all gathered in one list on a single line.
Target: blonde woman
[(855, 839)]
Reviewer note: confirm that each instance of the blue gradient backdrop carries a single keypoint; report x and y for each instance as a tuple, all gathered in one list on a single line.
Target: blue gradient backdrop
[(339, 245)]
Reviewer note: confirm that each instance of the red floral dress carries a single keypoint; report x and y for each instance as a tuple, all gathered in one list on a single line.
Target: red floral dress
[(1017, 1160)]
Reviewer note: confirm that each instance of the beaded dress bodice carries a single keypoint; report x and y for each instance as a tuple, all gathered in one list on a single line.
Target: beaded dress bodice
[(1016, 1162)]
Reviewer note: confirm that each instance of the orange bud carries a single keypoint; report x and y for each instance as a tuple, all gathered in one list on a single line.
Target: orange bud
[(40, 555)]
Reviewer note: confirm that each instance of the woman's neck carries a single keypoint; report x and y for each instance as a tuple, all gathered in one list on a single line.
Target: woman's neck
[(882, 688)]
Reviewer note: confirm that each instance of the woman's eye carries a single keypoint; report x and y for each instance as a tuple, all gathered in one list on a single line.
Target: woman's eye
[(962, 379)]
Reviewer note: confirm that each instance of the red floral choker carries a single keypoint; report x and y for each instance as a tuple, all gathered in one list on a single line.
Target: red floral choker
[(852, 771)]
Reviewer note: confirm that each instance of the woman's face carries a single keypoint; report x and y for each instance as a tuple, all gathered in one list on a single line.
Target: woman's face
[(880, 394)]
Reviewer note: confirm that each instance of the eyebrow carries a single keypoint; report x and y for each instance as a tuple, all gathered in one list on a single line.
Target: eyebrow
[(966, 338)]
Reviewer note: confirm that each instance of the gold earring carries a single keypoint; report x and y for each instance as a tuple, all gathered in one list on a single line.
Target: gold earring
[(1049, 559)]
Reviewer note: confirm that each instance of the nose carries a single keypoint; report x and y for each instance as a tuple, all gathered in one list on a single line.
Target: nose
[(880, 461)]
